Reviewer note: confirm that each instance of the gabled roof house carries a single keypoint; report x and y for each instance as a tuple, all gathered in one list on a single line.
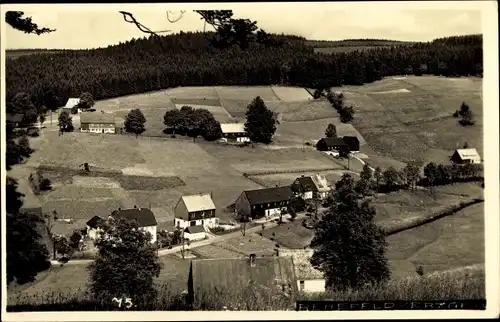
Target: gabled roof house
[(266, 202)]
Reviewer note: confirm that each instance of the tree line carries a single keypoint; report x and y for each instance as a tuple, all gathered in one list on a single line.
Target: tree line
[(189, 59)]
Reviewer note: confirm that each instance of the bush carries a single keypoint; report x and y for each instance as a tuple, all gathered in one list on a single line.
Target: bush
[(45, 185)]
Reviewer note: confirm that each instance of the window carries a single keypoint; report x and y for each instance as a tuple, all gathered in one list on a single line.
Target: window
[(202, 222), (301, 285), (193, 223)]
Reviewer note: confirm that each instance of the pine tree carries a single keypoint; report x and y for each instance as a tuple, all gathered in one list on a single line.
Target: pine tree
[(135, 121), (348, 247), (331, 131), (260, 123)]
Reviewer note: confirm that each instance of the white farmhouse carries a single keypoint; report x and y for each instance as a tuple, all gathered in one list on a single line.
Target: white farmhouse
[(234, 132), (196, 210), (97, 123), (143, 216)]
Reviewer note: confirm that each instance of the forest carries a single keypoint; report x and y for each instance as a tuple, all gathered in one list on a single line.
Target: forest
[(188, 59)]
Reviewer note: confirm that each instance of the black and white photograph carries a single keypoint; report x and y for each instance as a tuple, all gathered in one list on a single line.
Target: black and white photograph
[(199, 161)]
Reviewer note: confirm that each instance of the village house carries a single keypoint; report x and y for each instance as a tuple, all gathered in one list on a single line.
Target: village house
[(352, 142), (266, 202), (234, 132), (14, 120), (309, 279), (462, 156), (144, 217), (193, 233), (97, 123), (304, 188), (195, 210), (333, 144), (273, 275), (322, 186), (94, 227), (72, 102)]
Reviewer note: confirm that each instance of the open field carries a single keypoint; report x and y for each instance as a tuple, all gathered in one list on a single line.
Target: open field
[(257, 159), (410, 118), (291, 94), (147, 173), (447, 243), (296, 133), (247, 93), (280, 179)]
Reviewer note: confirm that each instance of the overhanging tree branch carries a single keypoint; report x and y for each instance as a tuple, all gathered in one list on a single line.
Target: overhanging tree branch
[(16, 20)]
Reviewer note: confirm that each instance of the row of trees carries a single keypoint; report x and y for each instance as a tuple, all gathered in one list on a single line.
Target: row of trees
[(346, 112), (189, 59), (193, 122)]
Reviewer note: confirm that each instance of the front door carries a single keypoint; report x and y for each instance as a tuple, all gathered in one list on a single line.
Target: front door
[(102, 130)]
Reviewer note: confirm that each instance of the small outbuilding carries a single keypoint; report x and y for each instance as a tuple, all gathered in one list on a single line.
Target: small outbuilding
[(462, 156)]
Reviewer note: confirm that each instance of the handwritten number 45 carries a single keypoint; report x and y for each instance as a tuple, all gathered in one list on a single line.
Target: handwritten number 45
[(128, 302)]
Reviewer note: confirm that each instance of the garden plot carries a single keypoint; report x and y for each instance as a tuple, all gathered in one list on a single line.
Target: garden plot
[(246, 93), (249, 244), (211, 251), (291, 94), (196, 101), (290, 235)]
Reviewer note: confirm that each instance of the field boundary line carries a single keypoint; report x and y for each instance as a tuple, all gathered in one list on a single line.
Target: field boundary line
[(274, 93), (433, 217), (263, 173)]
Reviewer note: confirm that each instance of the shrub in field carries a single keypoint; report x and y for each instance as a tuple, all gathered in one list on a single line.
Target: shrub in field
[(331, 131)]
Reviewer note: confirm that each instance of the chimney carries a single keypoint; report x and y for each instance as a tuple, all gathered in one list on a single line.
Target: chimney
[(252, 259)]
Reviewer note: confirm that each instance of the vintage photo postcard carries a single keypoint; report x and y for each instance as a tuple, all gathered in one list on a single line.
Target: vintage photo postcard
[(232, 161)]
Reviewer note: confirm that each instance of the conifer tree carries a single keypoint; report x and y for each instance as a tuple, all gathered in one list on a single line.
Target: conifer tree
[(260, 124)]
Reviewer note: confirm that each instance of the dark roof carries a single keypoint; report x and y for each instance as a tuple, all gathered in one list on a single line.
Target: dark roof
[(261, 196), (14, 118), (93, 117), (306, 183), (143, 216), (238, 273), (334, 141), (194, 229), (348, 139), (95, 222)]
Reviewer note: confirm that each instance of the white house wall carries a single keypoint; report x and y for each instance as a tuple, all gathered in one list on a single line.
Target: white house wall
[(312, 286), (195, 236), (274, 212), (152, 231), (207, 222)]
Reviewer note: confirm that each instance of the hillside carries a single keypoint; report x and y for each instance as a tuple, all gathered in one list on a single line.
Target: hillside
[(187, 59)]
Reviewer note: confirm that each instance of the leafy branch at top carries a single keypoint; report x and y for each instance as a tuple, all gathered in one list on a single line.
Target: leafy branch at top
[(16, 20)]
